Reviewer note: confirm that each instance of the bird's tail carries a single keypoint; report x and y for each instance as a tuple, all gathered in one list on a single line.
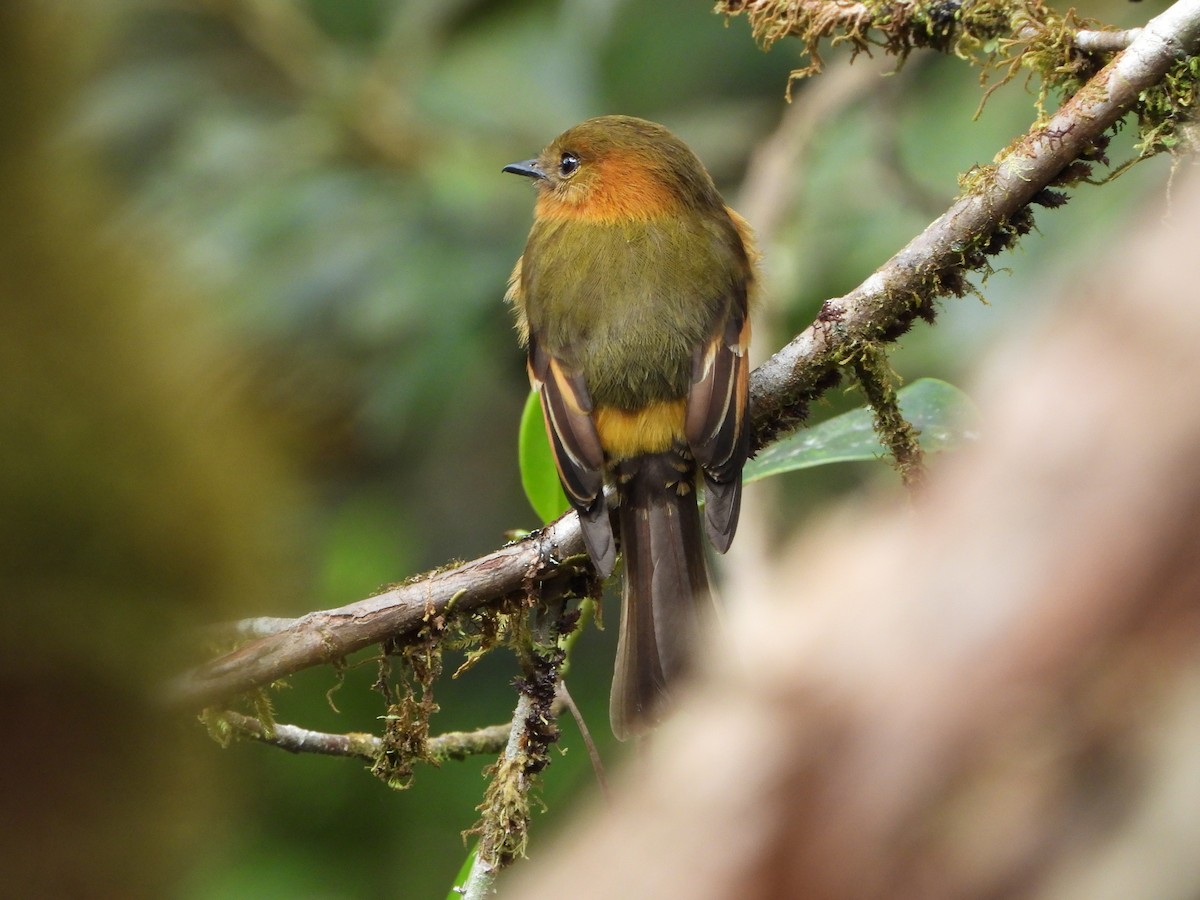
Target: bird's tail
[(666, 592)]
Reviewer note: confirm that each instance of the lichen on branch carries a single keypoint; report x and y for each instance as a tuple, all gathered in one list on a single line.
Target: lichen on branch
[(994, 34)]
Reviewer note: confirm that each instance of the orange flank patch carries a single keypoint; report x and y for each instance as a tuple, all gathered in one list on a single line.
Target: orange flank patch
[(651, 430), (617, 187)]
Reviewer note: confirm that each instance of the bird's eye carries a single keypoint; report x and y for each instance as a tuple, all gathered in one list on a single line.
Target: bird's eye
[(568, 164)]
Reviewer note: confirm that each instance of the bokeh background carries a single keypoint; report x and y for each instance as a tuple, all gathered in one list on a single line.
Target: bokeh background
[(258, 363)]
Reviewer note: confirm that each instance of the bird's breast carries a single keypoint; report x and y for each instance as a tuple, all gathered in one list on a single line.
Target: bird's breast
[(626, 303)]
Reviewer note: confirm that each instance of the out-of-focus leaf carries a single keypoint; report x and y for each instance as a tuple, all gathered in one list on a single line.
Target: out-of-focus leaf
[(460, 880), (944, 415), (539, 476)]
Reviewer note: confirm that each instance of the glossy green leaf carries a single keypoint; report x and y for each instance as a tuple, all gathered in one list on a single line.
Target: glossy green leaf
[(460, 880), (944, 415), (539, 476)]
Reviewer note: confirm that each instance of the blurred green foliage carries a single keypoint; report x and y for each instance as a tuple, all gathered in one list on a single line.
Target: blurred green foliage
[(327, 172)]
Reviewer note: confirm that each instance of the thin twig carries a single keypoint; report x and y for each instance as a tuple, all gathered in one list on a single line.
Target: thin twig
[(563, 695), (459, 745), (294, 739), (1105, 41), (456, 745)]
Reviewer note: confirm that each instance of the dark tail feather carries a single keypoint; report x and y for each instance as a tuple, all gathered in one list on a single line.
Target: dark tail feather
[(598, 536), (666, 590), (722, 504)]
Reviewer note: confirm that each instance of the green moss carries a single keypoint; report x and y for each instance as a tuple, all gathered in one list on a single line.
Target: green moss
[(1004, 34), (1167, 112), (410, 704), (877, 381)]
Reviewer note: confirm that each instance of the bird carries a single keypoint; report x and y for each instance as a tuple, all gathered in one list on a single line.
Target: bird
[(632, 299)]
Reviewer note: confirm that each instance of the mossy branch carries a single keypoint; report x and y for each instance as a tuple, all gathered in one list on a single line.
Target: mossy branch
[(999, 34), (548, 560), (505, 814), (452, 745)]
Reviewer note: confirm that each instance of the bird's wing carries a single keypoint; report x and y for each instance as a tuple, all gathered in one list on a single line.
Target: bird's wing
[(567, 409), (716, 424)]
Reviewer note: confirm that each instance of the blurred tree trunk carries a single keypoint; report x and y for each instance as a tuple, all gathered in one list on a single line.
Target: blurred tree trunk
[(137, 499), (994, 694)]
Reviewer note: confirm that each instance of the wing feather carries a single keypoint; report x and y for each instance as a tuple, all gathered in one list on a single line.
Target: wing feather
[(567, 410), (716, 424)]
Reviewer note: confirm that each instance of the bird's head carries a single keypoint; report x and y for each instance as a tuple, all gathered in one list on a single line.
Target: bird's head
[(617, 167)]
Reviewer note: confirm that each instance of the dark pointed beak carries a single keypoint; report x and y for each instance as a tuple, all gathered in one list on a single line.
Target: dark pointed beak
[(529, 168)]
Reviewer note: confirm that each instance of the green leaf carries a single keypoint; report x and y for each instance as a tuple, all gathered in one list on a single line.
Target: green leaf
[(539, 475), (943, 414), (460, 880)]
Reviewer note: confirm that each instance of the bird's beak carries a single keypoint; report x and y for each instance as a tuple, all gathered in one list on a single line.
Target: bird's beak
[(529, 168)]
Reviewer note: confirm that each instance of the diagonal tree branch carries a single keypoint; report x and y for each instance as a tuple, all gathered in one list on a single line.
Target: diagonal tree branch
[(322, 637), (933, 264)]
